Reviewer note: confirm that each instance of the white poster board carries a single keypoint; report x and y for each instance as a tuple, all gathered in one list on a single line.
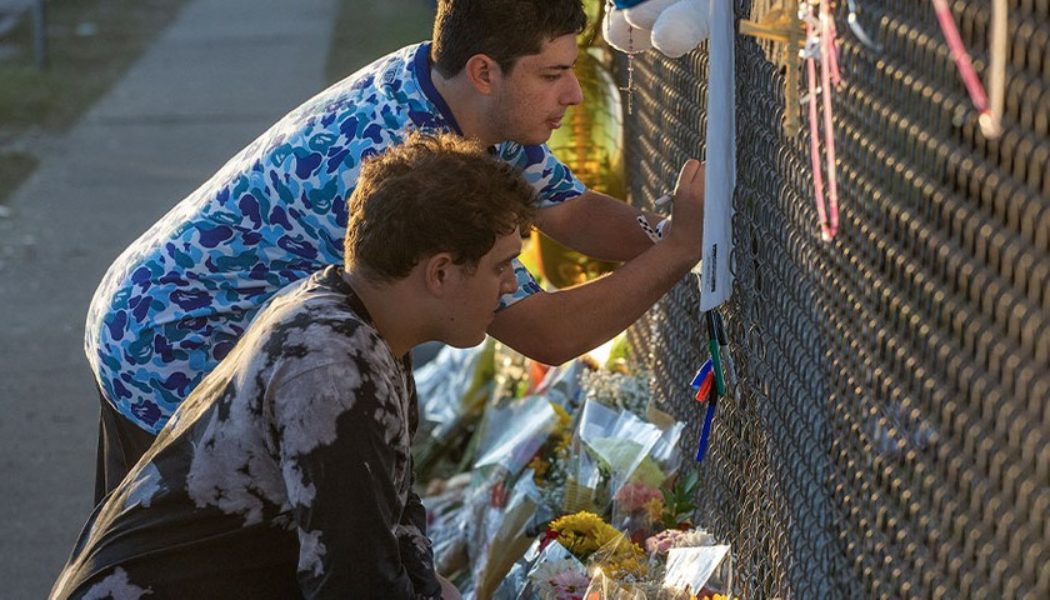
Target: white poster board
[(720, 175), (690, 568)]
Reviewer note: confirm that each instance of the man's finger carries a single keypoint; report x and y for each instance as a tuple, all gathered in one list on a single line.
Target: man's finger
[(688, 173)]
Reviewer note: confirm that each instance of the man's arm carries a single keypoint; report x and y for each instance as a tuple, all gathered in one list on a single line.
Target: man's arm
[(339, 460), (417, 554), (555, 327), (597, 225)]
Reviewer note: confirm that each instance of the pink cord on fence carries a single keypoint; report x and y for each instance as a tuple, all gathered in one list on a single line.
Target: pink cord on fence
[(836, 75), (961, 57), (827, 37), (814, 146)]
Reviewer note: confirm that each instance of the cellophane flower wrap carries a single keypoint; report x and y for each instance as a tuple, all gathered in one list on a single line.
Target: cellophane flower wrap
[(575, 489), (452, 388)]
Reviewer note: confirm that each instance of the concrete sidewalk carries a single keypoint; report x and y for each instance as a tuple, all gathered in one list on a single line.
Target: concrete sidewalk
[(218, 77)]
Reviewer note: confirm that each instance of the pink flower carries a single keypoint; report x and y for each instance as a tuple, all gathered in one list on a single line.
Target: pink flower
[(663, 541), (634, 496), (570, 585)]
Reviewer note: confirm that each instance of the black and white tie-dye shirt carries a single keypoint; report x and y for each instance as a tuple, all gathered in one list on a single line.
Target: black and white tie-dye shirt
[(287, 473)]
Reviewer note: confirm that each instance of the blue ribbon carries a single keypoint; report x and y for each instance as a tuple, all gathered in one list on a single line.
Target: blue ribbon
[(705, 433), (622, 4)]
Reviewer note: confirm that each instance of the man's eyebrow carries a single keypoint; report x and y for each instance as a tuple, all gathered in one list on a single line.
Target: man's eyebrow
[(557, 67)]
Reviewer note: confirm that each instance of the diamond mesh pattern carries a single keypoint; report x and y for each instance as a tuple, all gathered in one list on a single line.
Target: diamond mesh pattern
[(889, 436)]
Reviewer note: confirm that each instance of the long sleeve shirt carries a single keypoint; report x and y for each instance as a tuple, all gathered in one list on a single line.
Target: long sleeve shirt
[(287, 473)]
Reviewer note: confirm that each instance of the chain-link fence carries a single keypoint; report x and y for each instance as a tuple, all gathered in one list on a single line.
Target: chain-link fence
[(889, 436)]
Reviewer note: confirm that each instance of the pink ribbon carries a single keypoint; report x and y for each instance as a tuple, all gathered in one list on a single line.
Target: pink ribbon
[(827, 208), (827, 61), (961, 56)]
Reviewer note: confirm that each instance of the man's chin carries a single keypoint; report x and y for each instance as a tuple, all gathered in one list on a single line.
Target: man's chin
[(534, 139), (465, 341)]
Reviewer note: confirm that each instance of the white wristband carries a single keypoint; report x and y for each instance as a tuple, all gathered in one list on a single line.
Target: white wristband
[(655, 234)]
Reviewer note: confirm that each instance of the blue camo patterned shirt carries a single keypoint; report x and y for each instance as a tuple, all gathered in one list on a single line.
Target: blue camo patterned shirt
[(177, 300)]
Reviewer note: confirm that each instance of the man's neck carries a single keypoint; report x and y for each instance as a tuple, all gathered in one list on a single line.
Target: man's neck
[(391, 316), (465, 105)]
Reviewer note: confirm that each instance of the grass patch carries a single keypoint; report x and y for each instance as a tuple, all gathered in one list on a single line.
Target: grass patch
[(365, 31), (91, 43)]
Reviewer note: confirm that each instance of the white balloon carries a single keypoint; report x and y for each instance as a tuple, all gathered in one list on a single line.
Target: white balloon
[(682, 27), (620, 35), (644, 15)]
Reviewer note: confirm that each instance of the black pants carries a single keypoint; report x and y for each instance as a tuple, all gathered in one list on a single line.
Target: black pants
[(120, 445)]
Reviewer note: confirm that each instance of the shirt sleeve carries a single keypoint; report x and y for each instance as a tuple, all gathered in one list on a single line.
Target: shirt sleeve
[(554, 183), (552, 180), (417, 554), (338, 433), (527, 286), (416, 550)]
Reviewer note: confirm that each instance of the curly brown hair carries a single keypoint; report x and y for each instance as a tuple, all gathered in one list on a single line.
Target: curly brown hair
[(503, 30), (432, 194)]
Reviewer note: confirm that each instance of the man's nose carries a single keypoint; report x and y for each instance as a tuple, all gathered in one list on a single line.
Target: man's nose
[(574, 95), (509, 285)]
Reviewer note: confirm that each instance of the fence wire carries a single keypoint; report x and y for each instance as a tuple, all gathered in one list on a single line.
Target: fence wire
[(889, 436)]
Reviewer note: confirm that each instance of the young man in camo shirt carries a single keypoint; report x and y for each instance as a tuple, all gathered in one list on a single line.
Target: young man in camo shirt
[(497, 71)]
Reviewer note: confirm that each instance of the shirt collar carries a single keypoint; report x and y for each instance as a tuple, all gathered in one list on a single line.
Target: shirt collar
[(333, 277), (421, 64)]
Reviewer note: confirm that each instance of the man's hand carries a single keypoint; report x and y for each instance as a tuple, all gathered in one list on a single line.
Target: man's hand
[(555, 327), (688, 212)]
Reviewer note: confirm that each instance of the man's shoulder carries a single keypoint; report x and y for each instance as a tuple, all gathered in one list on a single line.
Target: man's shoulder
[(312, 323), (364, 112), (374, 81)]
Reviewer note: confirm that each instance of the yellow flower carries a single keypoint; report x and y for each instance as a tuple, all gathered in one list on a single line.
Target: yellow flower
[(624, 566), (655, 509), (583, 533), (564, 418), (622, 558), (539, 468), (561, 432)]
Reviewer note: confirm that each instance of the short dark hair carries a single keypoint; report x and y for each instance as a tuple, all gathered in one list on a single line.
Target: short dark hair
[(503, 30), (432, 194)]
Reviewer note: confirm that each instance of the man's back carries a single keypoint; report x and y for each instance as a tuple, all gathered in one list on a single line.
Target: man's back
[(233, 497), (176, 301)]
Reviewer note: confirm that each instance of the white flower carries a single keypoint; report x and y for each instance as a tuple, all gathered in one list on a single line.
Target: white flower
[(563, 579)]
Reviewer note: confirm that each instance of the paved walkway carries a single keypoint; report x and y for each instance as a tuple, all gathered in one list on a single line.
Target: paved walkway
[(219, 76)]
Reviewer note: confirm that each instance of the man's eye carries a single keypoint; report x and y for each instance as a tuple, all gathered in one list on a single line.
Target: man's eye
[(552, 77)]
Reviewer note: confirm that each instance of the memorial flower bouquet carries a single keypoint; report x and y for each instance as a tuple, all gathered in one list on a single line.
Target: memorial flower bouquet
[(591, 540), (563, 579)]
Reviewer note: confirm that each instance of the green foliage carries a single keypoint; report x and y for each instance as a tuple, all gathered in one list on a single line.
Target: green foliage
[(365, 31), (90, 44), (680, 500)]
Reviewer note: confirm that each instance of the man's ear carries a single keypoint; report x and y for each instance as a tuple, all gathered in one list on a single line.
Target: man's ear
[(482, 72), (437, 273)]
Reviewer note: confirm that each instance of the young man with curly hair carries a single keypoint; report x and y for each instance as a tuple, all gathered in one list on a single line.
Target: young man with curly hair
[(288, 471)]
